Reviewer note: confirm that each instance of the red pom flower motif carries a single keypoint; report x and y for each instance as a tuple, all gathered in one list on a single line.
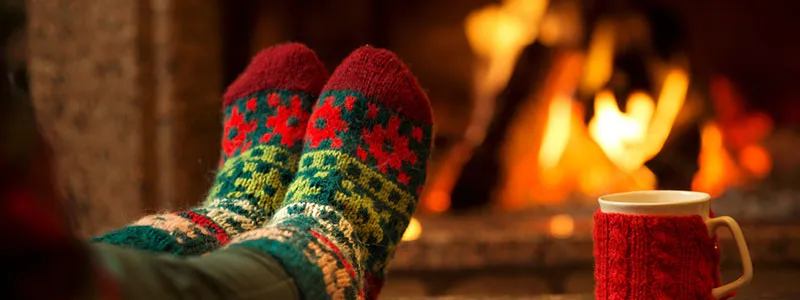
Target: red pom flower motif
[(388, 147), (326, 124), (287, 122), (236, 122)]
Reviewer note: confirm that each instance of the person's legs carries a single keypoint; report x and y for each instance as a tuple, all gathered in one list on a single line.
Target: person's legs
[(359, 178), (235, 274), (266, 111), (360, 175)]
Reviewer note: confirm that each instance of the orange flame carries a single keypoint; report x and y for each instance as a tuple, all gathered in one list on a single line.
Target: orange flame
[(716, 164), (630, 139), (719, 170), (555, 139), (550, 153), (731, 153), (496, 34), (606, 156)]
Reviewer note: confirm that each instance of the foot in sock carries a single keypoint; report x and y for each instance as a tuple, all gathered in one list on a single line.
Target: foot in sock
[(265, 115), (360, 175)]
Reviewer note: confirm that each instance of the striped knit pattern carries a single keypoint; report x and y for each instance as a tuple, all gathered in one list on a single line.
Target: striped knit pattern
[(361, 172), (317, 245), (266, 112)]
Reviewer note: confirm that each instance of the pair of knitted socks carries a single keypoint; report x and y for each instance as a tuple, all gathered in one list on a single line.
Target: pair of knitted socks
[(327, 188)]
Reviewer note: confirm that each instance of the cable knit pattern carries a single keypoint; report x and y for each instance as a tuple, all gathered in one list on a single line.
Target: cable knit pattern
[(654, 257), (265, 115), (361, 172)]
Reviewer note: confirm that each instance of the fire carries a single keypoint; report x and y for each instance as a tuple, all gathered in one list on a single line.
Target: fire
[(561, 226), (554, 127), (630, 139), (551, 154), (413, 231), (556, 138), (716, 164), (600, 57), (609, 154), (496, 34), (622, 135), (606, 156), (731, 153), (756, 160)]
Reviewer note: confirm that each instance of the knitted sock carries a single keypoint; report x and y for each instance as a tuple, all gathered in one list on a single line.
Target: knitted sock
[(360, 175), (654, 257), (265, 115)]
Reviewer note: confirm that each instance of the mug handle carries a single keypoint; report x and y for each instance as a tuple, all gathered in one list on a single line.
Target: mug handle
[(747, 264)]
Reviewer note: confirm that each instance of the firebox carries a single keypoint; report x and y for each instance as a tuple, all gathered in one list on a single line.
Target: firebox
[(559, 122), (541, 106)]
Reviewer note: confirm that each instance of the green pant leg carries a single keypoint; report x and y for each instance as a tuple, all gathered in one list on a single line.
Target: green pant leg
[(238, 273)]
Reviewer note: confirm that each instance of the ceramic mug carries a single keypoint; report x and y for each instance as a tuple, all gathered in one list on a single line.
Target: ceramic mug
[(659, 205)]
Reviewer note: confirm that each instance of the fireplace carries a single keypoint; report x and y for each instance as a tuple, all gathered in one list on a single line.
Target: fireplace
[(558, 119), (541, 106), (557, 123)]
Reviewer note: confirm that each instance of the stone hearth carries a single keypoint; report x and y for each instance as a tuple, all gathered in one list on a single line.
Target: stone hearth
[(491, 252)]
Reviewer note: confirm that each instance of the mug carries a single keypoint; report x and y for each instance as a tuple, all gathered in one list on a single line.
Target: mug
[(662, 244)]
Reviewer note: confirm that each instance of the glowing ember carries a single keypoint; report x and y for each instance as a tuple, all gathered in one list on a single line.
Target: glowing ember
[(736, 131), (413, 231), (438, 201), (719, 170), (436, 196), (561, 226), (716, 165), (756, 160)]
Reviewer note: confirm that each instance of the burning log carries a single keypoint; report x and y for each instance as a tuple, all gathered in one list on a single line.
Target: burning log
[(676, 164), (498, 34), (482, 172)]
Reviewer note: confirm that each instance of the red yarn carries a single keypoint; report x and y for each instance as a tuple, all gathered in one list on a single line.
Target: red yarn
[(338, 252), (379, 74), (217, 231), (239, 141), (654, 257), (374, 286), (377, 136), (290, 132), (298, 70), (332, 116)]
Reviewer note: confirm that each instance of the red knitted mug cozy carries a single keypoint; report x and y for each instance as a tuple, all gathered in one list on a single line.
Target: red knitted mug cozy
[(641, 257)]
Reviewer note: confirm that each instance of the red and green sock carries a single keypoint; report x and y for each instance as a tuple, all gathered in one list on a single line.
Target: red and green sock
[(359, 178), (265, 115)]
